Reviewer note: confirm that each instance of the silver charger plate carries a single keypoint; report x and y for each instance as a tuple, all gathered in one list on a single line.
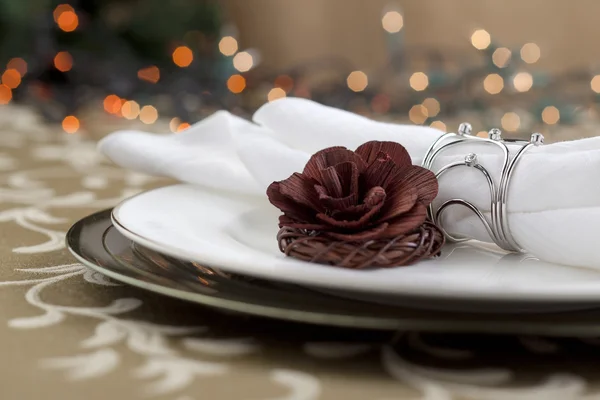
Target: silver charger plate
[(98, 245)]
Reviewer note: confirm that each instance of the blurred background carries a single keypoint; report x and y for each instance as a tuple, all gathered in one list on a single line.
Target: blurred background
[(520, 65)]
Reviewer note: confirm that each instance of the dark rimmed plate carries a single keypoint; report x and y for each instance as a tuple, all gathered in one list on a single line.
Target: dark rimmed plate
[(95, 243)]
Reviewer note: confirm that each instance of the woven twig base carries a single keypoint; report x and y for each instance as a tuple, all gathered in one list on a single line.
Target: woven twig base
[(424, 242)]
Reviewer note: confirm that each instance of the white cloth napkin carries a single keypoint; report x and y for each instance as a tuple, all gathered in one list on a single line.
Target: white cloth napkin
[(554, 197)]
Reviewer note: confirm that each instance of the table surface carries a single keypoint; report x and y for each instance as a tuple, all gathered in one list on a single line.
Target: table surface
[(69, 333)]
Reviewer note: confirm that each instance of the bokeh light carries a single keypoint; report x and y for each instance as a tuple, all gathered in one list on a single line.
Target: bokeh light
[(19, 64), (70, 124), (595, 83), (183, 126), (392, 21), (112, 104), (228, 46), (183, 56), (419, 81), (418, 114), (510, 121), (523, 81), (60, 9), (357, 81), (551, 115), (493, 83), (481, 39), (439, 125), (501, 57), (63, 61), (530, 53), (5, 94), (243, 61), (67, 21), (285, 82), (148, 114), (381, 103), (130, 109), (236, 83), (11, 78), (149, 74), (276, 93), (432, 106)]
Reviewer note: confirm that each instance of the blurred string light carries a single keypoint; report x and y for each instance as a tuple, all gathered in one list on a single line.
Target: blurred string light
[(530, 53), (595, 83), (11, 78), (392, 21), (70, 124), (182, 127), (174, 124), (432, 106), (481, 39), (112, 104), (5, 94), (357, 81), (18, 64), (236, 83), (182, 56), (63, 61), (284, 82), (523, 81), (501, 57), (493, 83), (439, 125), (381, 103), (149, 74), (551, 115), (276, 93), (148, 114), (482, 134), (243, 61), (68, 21), (418, 114), (510, 121), (130, 109), (228, 46), (419, 81)]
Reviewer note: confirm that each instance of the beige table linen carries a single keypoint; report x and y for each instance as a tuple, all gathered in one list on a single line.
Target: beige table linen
[(69, 333)]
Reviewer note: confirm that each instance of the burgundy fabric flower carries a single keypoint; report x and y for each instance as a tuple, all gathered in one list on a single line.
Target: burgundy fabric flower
[(372, 193)]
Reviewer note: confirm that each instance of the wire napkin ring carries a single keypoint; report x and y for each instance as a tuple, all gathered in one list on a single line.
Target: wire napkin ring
[(497, 227)]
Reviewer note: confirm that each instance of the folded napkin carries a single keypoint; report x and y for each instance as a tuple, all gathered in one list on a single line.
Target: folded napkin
[(554, 196)]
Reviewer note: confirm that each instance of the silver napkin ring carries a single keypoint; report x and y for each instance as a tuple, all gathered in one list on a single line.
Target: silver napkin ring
[(498, 227)]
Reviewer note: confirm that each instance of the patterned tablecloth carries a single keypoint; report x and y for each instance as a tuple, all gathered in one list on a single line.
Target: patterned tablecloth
[(69, 333)]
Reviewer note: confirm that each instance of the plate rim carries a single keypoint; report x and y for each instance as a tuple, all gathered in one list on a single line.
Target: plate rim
[(440, 293)]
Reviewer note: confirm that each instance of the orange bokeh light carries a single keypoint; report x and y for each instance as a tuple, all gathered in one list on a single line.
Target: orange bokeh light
[(67, 21), (63, 61), (5, 94), (19, 64), (183, 126), (61, 8), (236, 83), (70, 124), (149, 74), (183, 56), (112, 104), (284, 82), (11, 78)]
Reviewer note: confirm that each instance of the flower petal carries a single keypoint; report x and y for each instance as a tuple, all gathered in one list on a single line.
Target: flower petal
[(330, 157), (348, 173), (370, 150), (424, 181), (302, 190), (331, 181), (360, 236), (339, 220), (285, 220), (401, 198), (380, 172), (406, 222), (287, 205)]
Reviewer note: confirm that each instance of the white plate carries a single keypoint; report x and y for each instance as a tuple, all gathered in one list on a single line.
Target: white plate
[(238, 235)]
